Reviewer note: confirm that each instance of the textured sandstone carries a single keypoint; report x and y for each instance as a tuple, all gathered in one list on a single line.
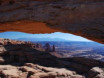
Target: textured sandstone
[(80, 17), (8, 71), (43, 65), (96, 72), (48, 72)]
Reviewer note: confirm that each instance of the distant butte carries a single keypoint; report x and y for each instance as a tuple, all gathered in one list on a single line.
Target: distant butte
[(20, 59)]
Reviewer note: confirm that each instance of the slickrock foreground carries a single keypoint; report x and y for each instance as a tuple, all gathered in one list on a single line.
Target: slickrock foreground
[(21, 59), (30, 70)]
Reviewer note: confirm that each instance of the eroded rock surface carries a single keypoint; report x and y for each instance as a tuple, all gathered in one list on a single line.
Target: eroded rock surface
[(20, 59), (96, 72), (80, 17), (30, 70)]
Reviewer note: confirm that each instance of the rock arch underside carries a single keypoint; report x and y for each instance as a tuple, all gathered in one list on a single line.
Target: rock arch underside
[(80, 17)]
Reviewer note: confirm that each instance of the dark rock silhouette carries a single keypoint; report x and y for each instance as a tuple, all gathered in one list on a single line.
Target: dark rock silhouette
[(53, 48), (47, 47)]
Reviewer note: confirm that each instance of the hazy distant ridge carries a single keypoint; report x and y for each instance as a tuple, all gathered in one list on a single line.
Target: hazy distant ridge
[(42, 39)]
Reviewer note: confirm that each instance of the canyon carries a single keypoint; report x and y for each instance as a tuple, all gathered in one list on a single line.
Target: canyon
[(65, 49), (21, 59)]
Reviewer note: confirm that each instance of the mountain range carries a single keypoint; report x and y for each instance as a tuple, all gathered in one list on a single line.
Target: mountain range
[(41, 39)]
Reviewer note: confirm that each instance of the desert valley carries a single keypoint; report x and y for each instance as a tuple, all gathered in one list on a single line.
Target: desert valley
[(51, 38), (21, 59), (65, 49)]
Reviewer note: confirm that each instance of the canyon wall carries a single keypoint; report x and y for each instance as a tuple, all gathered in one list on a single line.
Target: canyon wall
[(79, 17), (19, 59)]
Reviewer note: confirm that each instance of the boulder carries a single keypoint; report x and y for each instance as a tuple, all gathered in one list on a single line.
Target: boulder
[(96, 72)]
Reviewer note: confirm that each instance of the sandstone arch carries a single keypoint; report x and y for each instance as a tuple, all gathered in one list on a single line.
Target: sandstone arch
[(80, 17)]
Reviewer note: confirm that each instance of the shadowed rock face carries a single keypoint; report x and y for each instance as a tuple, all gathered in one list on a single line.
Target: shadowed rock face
[(20, 59), (80, 17)]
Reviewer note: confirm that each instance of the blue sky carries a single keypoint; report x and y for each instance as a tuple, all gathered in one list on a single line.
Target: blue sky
[(66, 36)]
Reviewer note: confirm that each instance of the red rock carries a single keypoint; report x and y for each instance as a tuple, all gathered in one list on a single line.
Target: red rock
[(80, 17)]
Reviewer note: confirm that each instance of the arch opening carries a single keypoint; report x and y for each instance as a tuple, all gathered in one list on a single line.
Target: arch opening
[(64, 45)]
